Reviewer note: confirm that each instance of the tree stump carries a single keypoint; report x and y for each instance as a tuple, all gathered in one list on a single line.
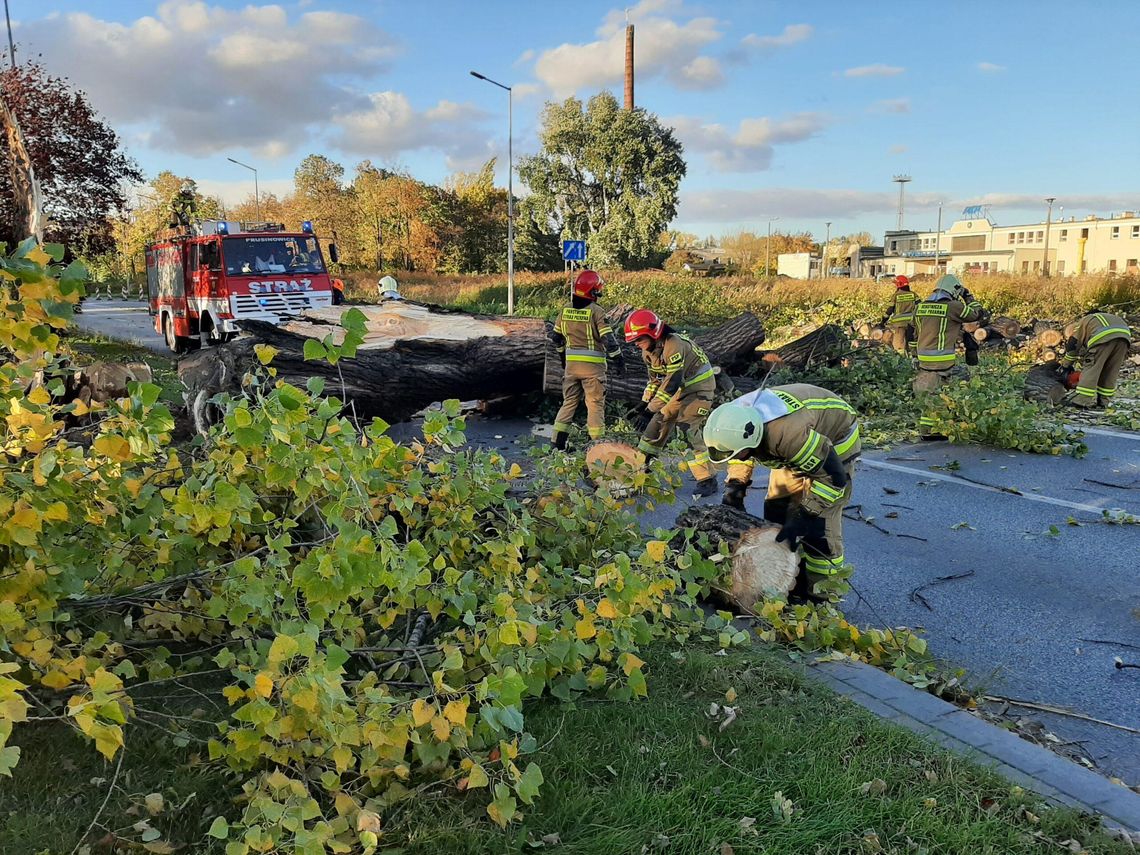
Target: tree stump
[(760, 568), (610, 464)]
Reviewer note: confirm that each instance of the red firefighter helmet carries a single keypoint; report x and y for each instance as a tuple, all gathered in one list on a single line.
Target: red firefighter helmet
[(588, 285), (901, 281), (643, 322)]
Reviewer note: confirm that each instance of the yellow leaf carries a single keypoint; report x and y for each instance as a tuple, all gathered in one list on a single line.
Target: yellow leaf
[(36, 255), (265, 353), (263, 685), (655, 549), (585, 629), (606, 610), (509, 633), (56, 512), (233, 694), (79, 408), (114, 447), (422, 712), (283, 647), (39, 395), (56, 680), (441, 728), (477, 778), (342, 756), (367, 820), (730, 695), (529, 631), (631, 662), (515, 471), (456, 712), (154, 804)]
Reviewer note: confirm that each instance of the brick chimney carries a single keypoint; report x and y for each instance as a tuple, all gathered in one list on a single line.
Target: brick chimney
[(629, 66)]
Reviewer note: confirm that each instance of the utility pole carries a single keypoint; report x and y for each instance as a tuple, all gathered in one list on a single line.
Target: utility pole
[(901, 180), (256, 192), (768, 249), (1048, 223), (510, 191), (11, 44), (826, 247), (938, 239)]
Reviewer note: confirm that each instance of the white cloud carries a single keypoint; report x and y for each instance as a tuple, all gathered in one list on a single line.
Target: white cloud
[(792, 34), (891, 105), (990, 67), (668, 42), (235, 191), (390, 125), (899, 149), (876, 70), (751, 147), (202, 79)]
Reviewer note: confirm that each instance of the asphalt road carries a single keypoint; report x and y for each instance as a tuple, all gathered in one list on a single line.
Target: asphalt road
[(1018, 625), (125, 320), (1021, 623)]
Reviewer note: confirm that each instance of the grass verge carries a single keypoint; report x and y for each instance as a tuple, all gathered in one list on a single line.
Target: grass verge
[(655, 776)]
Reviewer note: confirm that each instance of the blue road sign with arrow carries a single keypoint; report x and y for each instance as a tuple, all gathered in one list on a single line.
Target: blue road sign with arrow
[(573, 250)]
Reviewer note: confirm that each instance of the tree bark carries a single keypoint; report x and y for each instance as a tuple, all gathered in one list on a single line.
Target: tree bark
[(759, 568), (732, 345), (822, 346), (413, 356), (1042, 385)]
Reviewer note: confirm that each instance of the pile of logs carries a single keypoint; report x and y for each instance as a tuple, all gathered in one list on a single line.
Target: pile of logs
[(1044, 337)]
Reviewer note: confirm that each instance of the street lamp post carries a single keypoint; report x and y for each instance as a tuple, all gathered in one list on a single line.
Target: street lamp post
[(1048, 222), (256, 193), (938, 239), (510, 193), (826, 246), (768, 249)]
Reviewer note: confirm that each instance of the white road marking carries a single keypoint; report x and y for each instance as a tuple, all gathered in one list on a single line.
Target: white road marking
[(1102, 432), (939, 476)]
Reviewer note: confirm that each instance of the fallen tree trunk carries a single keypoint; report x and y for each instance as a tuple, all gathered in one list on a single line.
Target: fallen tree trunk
[(731, 345), (1043, 386), (822, 346), (413, 355), (760, 568)]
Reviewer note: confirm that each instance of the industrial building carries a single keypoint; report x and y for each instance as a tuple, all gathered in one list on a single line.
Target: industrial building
[(975, 244)]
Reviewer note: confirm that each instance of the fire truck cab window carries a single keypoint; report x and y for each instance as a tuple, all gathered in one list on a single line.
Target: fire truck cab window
[(259, 255), (211, 257)]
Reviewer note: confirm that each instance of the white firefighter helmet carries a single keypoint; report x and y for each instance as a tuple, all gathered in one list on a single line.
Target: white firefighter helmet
[(389, 289), (950, 286), (731, 430)]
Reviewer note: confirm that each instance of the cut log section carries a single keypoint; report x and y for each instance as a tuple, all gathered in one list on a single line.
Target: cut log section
[(611, 464), (998, 328), (1042, 385), (760, 568), (1051, 338), (731, 345)]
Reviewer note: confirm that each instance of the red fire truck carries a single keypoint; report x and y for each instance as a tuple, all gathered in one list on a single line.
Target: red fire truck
[(203, 283)]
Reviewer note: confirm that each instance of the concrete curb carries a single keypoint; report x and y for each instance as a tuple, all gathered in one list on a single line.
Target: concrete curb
[(1039, 769)]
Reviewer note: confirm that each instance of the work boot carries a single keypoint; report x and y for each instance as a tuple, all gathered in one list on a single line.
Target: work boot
[(802, 592), (932, 437), (705, 488), (559, 440)]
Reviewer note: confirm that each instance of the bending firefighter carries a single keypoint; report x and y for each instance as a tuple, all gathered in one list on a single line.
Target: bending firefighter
[(938, 321), (680, 392), (585, 340), (1104, 341), (899, 318), (809, 437)]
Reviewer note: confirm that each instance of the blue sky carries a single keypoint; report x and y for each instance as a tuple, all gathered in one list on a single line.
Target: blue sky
[(799, 111)]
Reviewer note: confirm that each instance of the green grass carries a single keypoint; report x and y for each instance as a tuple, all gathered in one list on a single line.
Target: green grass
[(619, 777)]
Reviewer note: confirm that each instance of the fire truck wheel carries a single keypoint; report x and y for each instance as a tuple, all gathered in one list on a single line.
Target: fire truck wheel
[(172, 341)]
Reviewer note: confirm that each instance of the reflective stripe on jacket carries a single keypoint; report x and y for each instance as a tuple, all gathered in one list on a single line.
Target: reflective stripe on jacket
[(939, 326), (588, 336)]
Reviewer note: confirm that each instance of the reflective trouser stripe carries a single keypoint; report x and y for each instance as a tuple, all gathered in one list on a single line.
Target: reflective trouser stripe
[(1084, 390), (936, 357), (562, 427), (823, 566), (595, 432), (1105, 393), (926, 421), (647, 448), (847, 443)]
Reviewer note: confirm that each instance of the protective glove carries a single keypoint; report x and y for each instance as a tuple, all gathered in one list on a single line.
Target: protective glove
[(798, 526), (642, 419), (734, 492), (618, 362)]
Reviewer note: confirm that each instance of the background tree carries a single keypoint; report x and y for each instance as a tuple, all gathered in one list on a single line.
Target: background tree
[(537, 244), (748, 251), (76, 156), (478, 220), (605, 174)]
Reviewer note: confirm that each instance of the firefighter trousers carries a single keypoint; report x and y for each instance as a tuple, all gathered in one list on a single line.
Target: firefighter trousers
[(583, 381), (926, 385), (822, 557), (1100, 370), (900, 336), (689, 413)]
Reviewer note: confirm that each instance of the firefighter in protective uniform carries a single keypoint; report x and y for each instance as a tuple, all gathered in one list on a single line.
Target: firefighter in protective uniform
[(585, 339), (938, 321), (809, 437), (682, 384), (899, 318), (184, 207), (1103, 339)]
